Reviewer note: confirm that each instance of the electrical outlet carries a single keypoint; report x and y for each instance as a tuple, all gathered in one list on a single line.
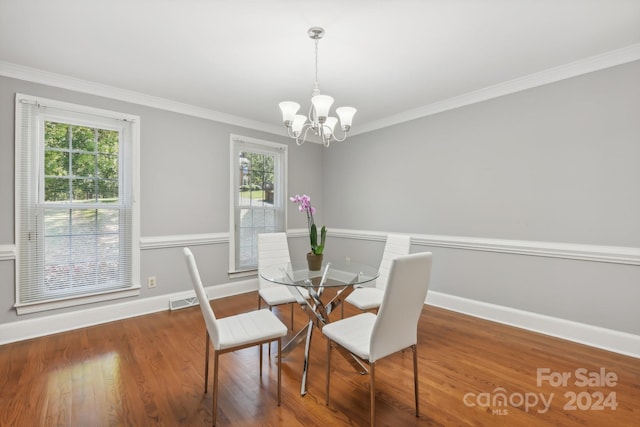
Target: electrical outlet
[(151, 282), (347, 260)]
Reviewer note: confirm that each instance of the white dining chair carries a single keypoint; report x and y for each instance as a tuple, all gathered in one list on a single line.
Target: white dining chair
[(371, 337), (273, 249), (235, 332), (370, 297)]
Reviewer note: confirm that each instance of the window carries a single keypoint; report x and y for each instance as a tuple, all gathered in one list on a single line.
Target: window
[(76, 220), (258, 195)]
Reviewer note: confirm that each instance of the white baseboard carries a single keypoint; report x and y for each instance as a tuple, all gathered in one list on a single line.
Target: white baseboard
[(606, 339), (594, 336), (41, 326)]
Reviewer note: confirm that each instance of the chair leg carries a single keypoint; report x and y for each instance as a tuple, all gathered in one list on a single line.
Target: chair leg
[(415, 376), (328, 370), (260, 345), (279, 369), (292, 316), (259, 307), (372, 374), (206, 362), (269, 343), (215, 386)]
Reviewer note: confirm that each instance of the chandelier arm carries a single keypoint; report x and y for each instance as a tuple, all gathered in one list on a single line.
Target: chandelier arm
[(334, 137), (291, 135), (310, 115), (297, 138), (344, 136), (326, 141), (304, 134)]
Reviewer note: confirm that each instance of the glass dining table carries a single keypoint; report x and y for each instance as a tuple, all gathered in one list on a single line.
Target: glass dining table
[(342, 278)]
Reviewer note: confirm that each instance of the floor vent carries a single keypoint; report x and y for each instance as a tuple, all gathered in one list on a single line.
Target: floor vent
[(177, 304)]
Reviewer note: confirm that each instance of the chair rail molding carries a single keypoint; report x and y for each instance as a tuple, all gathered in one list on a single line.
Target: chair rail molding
[(574, 251), (181, 240), (7, 252)]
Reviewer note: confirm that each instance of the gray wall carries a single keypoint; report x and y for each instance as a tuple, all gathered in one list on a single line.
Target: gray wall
[(184, 188), (557, 163)]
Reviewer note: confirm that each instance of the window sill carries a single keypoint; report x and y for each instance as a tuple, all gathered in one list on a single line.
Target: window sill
[(243, 273), (35, 307)]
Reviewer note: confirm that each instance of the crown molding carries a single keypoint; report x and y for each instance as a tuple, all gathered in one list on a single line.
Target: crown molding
[(598, 62), (35, 75), (594, 63)]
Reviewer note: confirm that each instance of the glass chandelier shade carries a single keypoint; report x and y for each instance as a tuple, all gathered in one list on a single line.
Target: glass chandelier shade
[(289, 110)]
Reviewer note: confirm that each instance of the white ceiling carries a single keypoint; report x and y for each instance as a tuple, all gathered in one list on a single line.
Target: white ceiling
[(241, 58)]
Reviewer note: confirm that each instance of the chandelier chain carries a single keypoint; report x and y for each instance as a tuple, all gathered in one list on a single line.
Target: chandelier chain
[(316, 62)]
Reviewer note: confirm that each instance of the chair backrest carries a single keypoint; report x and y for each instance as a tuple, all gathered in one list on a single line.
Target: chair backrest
[(396, 325), (207, 311), (397, 245), (273, 249)]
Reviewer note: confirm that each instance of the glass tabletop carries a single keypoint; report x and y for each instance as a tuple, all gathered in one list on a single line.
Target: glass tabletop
[(334, 274)]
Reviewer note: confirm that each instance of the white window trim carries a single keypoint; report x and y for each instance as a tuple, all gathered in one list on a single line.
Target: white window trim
[(134, 289), (233, 271)]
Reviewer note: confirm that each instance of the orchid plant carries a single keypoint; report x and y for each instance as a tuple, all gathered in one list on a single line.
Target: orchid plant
[(305, 206)]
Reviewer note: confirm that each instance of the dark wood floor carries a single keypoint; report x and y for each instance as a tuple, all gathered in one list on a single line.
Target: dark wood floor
[(148, 371)]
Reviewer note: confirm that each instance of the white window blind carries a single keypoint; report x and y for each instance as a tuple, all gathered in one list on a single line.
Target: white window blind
[(258, 197), (76, 225)]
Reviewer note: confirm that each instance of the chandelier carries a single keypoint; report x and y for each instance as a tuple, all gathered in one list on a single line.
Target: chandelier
[(317, 120)]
